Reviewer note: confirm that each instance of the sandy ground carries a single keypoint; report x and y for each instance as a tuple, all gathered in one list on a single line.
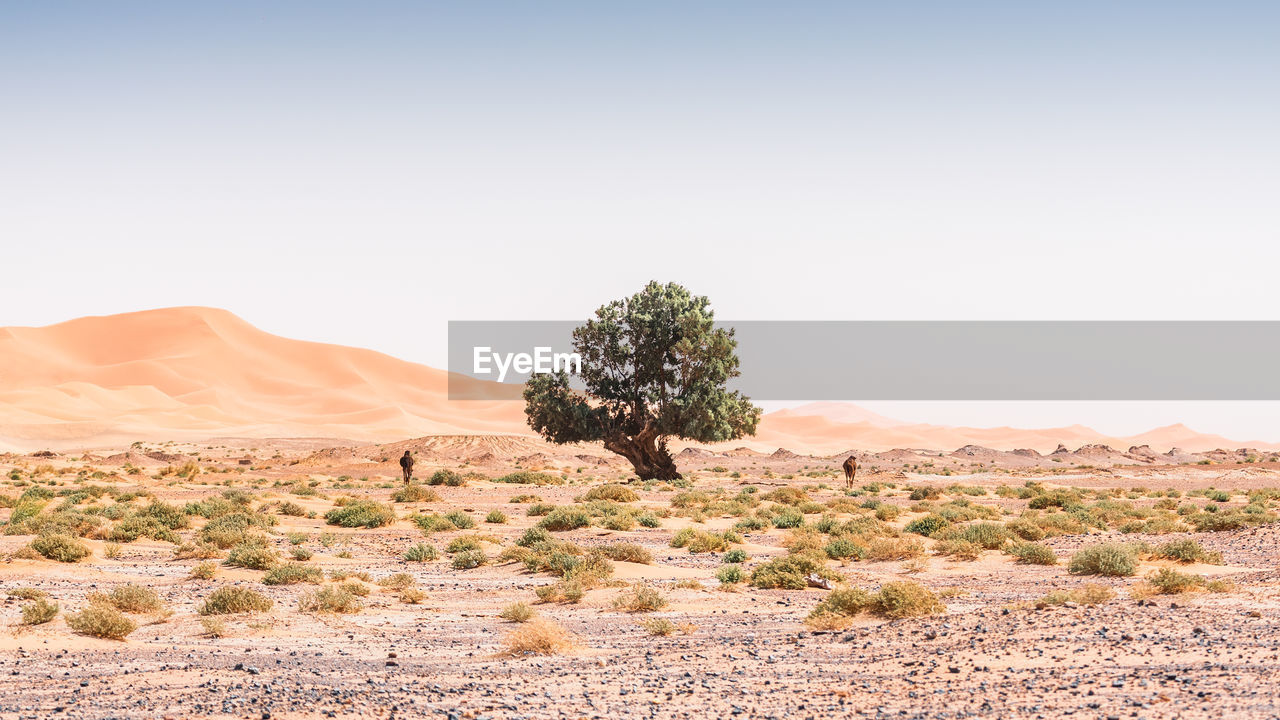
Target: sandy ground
[(745, 653)]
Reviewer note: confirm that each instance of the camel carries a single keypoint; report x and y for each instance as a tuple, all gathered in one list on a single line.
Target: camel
[(850, 470)]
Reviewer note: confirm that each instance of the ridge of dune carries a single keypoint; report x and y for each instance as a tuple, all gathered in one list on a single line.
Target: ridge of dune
[(185, 372)]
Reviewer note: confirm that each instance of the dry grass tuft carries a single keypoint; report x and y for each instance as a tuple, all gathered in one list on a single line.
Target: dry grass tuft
[(540, 637)]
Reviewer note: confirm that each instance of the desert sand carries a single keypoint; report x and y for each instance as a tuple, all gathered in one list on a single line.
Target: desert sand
[(713, 648)]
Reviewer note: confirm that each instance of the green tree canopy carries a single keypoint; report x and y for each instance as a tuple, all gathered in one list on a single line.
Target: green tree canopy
[(654, 366)]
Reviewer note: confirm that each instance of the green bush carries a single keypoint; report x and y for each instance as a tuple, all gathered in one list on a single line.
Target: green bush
[(254, 555), (1034, 553), (991, 536), (421, 552), (62, 548), (293, 574), (736, 555), (927, 525), (102, 621), (640, 599), (460, 520), (528, 477), (787, 517), (415, 493), (789, 572), (496, 517), (447, 477), (843, 548), (231, 599), (38, 612), (361, 513), (1188, 551), (627, 552), (1110, 559), (565, 518), (468, 559), (730, 574), (613, 492), (533, 536), (134, 599), (331, 599)]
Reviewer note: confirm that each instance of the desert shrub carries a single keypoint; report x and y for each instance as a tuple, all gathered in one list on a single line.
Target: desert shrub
[(1188, 551), (293, 574), (469, 559), (790, 572), (496, 517), (447, 477), (361, 513), (840, 603), (701, 541), (927, 525), (990, 536), (906, 599), (231, 529), (331, 599), (925, 493), (736, 555), (1055, 498), (787, 517), (39, 611), (462, 543), (1033, 553), (540, 509), (1089, 594), (528, 477), (27, 593), (1110, 559), (196, 551), (730, 574), (844, 548), (134, 599), (203, 571), (533, 536), (614, 492), (1026, 530), (229, 600), (883, 549), (433, 523), (102, 621), (565, 518), (959, 549), (460, 519), (640, 599), (620, 522), (524, 498), (750, 524), (61, 548), (292, 509), (539, 637), (254, 554), (300, 554), (135, 526), (1167, 581), (787, 496), (517, 612), (627, 552), (886, 512), (421, 552), (415, 493), (1224, 521)]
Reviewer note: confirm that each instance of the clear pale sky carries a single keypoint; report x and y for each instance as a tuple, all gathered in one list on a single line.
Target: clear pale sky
[(360, 173)]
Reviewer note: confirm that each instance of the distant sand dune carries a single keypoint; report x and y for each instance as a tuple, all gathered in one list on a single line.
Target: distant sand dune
[(189, 373)]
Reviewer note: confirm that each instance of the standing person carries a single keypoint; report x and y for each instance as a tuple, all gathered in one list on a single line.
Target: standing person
[(406, 466)]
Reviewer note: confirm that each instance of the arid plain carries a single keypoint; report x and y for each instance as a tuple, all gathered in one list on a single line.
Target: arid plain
[(184, 537), (703, 598)]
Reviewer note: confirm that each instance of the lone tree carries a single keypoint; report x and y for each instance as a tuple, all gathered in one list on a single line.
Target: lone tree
[(653, 367)]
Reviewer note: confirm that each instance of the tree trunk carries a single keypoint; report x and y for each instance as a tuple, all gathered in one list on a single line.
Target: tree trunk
[(647, 452)]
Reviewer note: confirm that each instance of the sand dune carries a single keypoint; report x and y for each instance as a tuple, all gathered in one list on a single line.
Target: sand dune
[(191, 373)]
